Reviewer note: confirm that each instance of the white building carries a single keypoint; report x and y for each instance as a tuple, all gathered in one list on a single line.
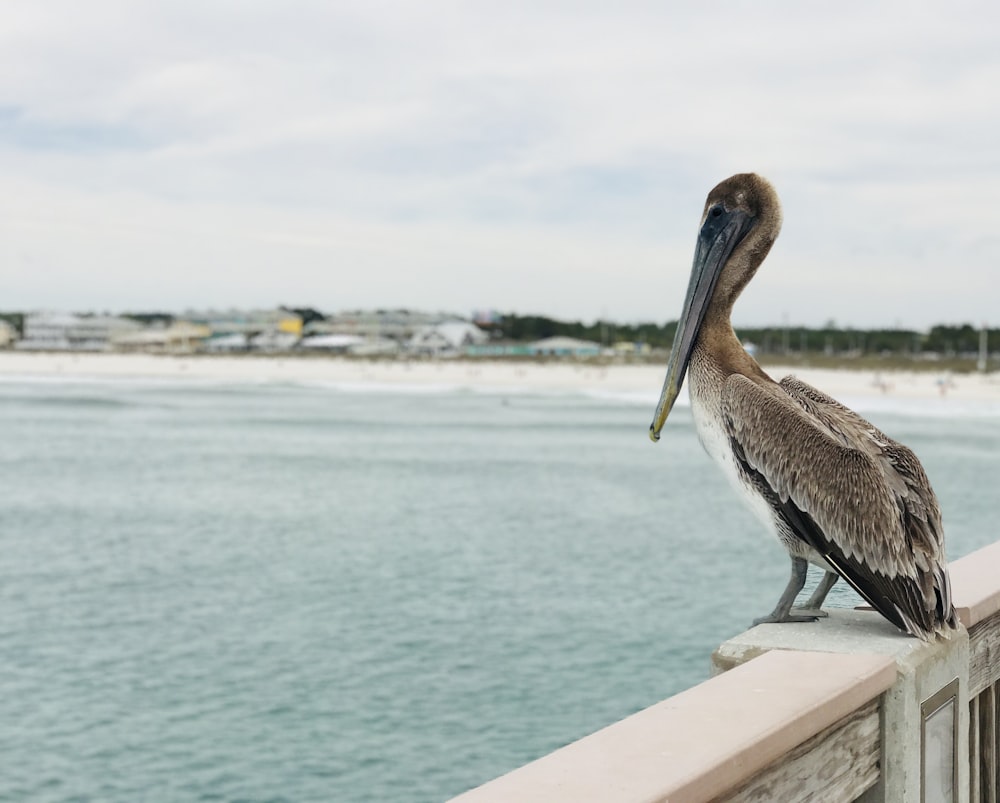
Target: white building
[(446, 339), (334, 343), (8, 334), (273, 341), (565, 347), (63, 331)]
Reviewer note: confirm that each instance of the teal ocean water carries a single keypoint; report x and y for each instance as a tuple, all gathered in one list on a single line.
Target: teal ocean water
[(247, 592)]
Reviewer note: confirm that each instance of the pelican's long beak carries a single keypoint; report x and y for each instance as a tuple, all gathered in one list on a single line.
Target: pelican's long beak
[(720, 233)]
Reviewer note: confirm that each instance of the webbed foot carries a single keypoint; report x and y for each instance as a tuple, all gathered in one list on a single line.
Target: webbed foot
[(783, 610)]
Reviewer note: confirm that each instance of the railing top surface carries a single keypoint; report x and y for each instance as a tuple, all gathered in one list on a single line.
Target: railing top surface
[(975, 584), (705, 740)]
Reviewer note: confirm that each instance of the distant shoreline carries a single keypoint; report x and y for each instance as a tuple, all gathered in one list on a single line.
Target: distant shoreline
[(541, 374)]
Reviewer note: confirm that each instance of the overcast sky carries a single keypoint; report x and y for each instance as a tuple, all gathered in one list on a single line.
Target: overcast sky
[(535, 157)]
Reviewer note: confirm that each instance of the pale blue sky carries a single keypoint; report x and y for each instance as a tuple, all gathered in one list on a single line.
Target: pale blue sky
[(538, 157)]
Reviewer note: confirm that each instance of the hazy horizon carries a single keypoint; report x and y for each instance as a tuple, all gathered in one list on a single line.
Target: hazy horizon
[(469, 316)]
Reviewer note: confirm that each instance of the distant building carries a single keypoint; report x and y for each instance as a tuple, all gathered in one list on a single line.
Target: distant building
[(333, 343), (376, 347), (565, 347), (227, 343), (233, 330), (8, 334), (63, 331), (445, 339), (630, 348), (399, 325), (180, 337), (273, 341), (497, 348), (247, 322)]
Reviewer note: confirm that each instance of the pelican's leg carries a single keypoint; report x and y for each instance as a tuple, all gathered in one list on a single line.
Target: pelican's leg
[(815, 602), (783, 610)]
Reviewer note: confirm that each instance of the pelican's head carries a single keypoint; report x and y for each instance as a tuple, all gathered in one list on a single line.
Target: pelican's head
[(741, 219)]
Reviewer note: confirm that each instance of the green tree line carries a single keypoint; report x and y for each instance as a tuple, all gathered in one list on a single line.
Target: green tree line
[(942, 339)]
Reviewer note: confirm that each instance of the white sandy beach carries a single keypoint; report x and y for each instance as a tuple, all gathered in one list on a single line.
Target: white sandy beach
[(626, 379)]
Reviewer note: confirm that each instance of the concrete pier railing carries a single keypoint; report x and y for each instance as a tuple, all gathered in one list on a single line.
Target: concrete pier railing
[(842, 709)]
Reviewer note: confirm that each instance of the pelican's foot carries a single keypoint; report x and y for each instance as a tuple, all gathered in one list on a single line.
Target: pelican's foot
[(775, 618), (815, 613)]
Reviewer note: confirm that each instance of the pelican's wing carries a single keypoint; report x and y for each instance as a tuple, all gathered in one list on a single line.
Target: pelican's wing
[(847, 491), (903, 472)]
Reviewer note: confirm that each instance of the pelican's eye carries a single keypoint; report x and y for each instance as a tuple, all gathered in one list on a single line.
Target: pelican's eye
[(716, 211)]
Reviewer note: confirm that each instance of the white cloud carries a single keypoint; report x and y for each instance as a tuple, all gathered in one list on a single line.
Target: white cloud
[(538, 157)]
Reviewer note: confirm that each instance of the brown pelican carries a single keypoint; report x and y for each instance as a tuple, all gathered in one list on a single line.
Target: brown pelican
[(835, 490)]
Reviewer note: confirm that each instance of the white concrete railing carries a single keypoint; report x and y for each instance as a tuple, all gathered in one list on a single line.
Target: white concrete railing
[(846, 708)]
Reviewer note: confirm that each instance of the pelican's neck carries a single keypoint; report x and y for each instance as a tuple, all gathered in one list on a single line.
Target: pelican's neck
[(718, 342)]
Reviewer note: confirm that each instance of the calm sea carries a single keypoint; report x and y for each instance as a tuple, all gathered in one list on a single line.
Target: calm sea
[(307, 593)]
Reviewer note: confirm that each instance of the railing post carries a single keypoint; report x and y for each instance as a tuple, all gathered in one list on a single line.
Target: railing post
[(925, 738)]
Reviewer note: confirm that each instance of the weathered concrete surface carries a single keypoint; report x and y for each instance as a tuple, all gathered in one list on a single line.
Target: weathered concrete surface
[(922, 669)]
